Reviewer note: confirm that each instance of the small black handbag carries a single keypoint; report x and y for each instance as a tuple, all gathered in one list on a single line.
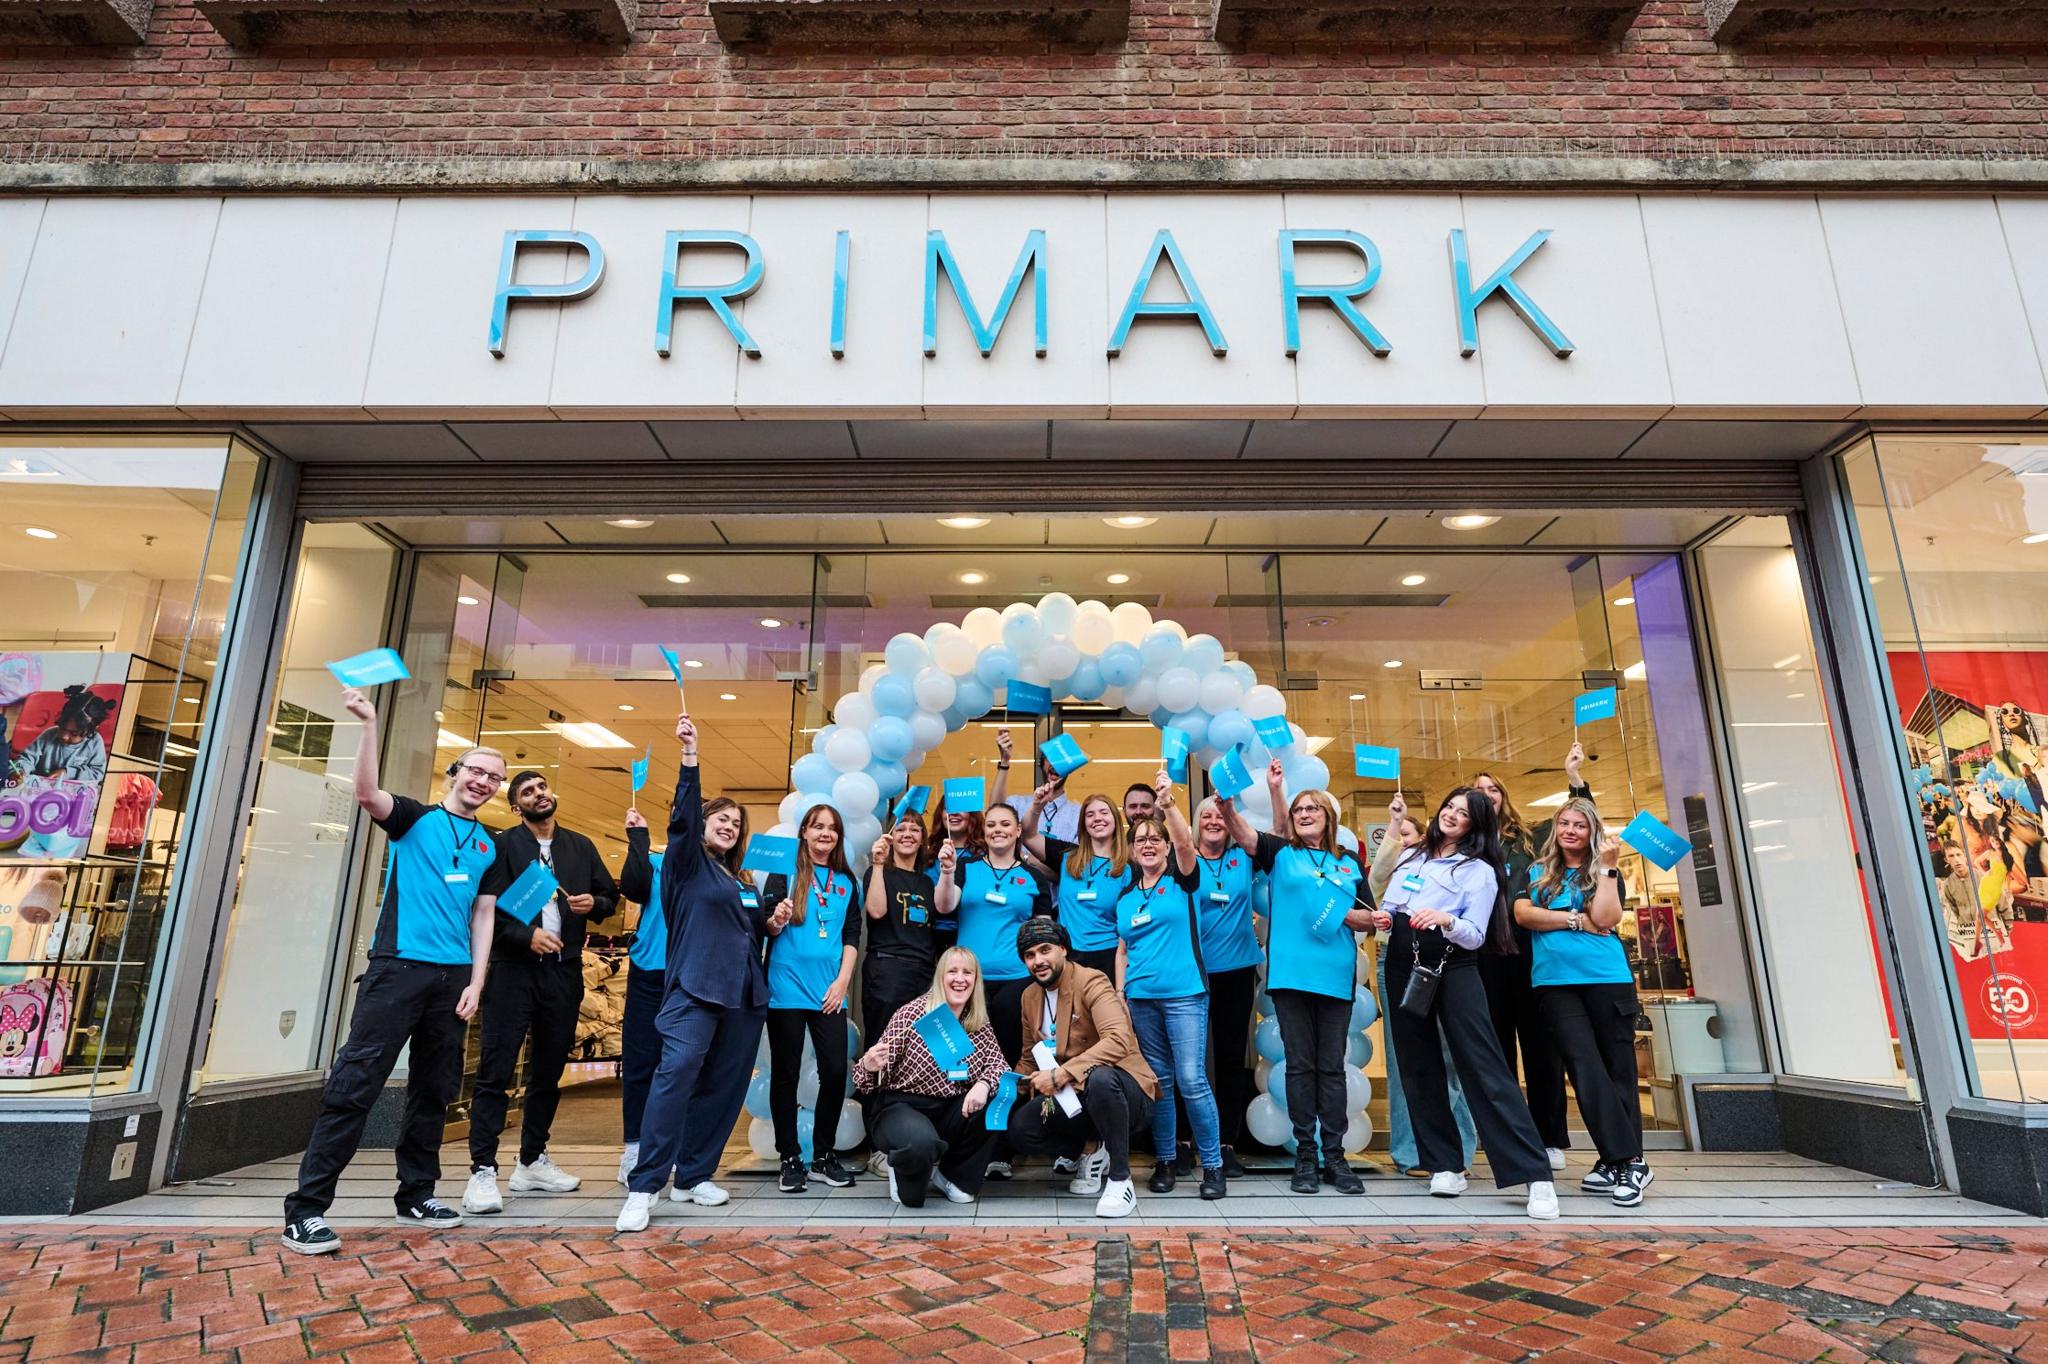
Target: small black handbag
[(1418, 997)]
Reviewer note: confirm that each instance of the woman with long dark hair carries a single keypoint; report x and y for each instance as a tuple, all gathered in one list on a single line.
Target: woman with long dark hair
[(1443, 908), (810, 969), (1089, 874)]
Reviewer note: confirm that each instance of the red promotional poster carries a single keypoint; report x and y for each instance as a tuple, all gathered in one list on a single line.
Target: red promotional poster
[(57, 725), (1976, 726)]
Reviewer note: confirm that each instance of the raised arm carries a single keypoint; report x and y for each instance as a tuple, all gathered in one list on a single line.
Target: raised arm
[(1574, 760), (686, 815), (371, 796), (999, 791), (1177, 830), (1034, 821), (1276, 789), (636, 876), (876, 900), (946, 894), (1383, 860)]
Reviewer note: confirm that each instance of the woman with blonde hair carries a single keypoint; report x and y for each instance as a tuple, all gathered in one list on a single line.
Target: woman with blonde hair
[(928, 1107), (1090, 874), (1570, 904)]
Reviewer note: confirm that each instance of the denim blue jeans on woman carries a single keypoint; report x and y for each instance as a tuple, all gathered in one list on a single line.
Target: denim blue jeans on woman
[(1173, 1035)]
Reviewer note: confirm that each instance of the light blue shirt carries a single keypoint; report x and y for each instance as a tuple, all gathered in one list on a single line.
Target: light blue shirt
[(804, 958), (1228, 939), (1463, 887), (993, 906), (1163, 959), (1087, 903), (1563, 957), (650, 935), (1305, 886)]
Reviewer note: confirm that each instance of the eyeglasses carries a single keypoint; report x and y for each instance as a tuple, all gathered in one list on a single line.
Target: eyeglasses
[(1142, 839), (482, 774)]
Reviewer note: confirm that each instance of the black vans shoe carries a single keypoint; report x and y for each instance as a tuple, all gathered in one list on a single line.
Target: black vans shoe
[(428, 1212), (792, 1175), (310, 1236)]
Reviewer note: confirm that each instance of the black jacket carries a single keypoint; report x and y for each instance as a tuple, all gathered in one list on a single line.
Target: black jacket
[(580, 870)]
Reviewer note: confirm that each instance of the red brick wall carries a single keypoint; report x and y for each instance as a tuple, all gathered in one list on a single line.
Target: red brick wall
[(678, 91)]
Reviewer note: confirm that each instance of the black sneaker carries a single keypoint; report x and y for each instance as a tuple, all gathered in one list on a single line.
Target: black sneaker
[(429, 1212), (832, 1172), (1184, 1160), (1162, 1180), (792, 1174), (1213, 1184), (1600, 1179), (1305, 1180), (1634, 1178), (1342, 1177), (310, 1236), (1233, 1168)]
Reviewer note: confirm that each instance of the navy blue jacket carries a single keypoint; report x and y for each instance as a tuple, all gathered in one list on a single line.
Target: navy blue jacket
[(714, 940)]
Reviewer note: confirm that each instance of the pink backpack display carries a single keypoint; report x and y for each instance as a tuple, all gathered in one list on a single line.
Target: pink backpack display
[(35, 1020)]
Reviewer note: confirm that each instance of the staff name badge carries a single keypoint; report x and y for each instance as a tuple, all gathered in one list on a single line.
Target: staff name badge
[(1063, 755), (1656, 840), (529, 893), (1380, 764), (771, 853), (1274, 732), (1027, 698), (1227, 774), (996, 1117), (1173, 752), (914, 800), (372, 669), (1599, 704), (965, 795)]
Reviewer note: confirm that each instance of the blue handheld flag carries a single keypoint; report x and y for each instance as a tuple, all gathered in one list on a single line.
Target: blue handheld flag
[(1228, 776), (372, 669), (1173, 752), (529, 894), (1062, 754), (771, 853), (640, 766), (1599, 704), (1274, 732), (1656, 840), (1027, 698), (965, 795), (1381, 764), (914, 800)]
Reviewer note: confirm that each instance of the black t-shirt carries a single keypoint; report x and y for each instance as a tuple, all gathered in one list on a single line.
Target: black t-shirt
[(907, 932)]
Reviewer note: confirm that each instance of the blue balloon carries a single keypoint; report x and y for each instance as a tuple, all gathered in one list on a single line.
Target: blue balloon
[(1086, 684), (1242, 671), (1204, 654), (1231, 729), (853, 1047), (757, 1096), (996, 665), (806, 1125), (1268, 1040), (1304, 773), (813, 775), (955, 721), (1161, 718), (972, 699), (1276, 1085), (889, 738), (1161, 648), (892, 696), (1023, 634), (1360, 1050), (1365, 1010), (890, 778), (905, 654), (1121, 664), (825, 732), (931, 636), (1194, 724), (1262, 901), (1263, 1006)]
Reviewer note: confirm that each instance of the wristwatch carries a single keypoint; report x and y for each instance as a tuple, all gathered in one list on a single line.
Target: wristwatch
[(1610, 871), (1572, 921)]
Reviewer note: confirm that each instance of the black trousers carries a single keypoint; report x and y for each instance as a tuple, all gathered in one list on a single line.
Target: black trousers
[(1231, 994), (1112, 1104), (1518, 1026), (1505, 1128), (1314, 1030), (1594, 1027), (786, 1029), (397, 1002), (919, 1132), (522, 999), (639, 1046), (1006, 1014), (887, 983)]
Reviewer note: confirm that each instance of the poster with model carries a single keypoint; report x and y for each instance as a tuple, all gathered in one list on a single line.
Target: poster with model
[(57, 724), (1976, 727)]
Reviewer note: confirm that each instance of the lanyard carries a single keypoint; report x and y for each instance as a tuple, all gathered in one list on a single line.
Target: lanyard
[(1317, 858), (1212, 870), (455, 844), (822, 886)]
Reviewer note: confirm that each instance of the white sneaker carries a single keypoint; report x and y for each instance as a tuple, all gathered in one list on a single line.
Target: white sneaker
[(953, 1192), (633, 1217), (1543, 1201), (1088, 1175), (1001, 1169), (878, 1163), (482, 1194), (543, 1176), (703, 1193), (1065, 1165), (890, 1170), (1119, 1199), (1556, 1157), (627, 1160), (1446, 1184)]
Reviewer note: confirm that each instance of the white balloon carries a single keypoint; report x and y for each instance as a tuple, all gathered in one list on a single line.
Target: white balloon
[(761, 1138), (854, 710), (1220, 692), (869, 674), (1131, 619), (861, 834), (956, 653), (1094, 630), (847, 749), (1262, 701), (983, 625), (1056, 612), (1142, 696), (1059, 658), (807, 1086), (934, 689), (855, 794), (1265, 1069), (927, 731), (783, 830), (1177, 628), (1035, 674), (1358, 1135), (1113, 697), (1357, 1089), (794, 804), (852, 1128), (905, 654), (1179, 689)]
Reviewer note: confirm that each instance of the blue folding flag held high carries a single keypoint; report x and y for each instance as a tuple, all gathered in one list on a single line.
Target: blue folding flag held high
[(1274, 732), (914, 800), (1380, 764), (675, 666), (1656, 840), (1027, 698), (1063, 755), (1599, 704), (529, 893), (640, 766), (771, 853), (1173, 752), (947, 1041), (372, 669), (965, 795), (1228, 776)]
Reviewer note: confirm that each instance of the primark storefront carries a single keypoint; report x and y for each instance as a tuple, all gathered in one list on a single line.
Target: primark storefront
[(1433, 465)]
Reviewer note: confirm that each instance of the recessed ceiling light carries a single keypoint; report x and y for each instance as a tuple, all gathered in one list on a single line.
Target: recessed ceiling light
[(189, 700), (693, 663), (1358, 696), (679, 578), (623, 706), (2035, 538), (770, 623), (1320, 621), (963, 522), (1624, 601), (38, 533), (1391, 663), (466, 601), (727, 696), (1117, 579), (588, 734), (973, 578), (630, 523), (1414, 580), (1469, 521), (1129, 522)]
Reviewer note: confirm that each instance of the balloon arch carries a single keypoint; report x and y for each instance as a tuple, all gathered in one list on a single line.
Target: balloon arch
[(1119, 657)]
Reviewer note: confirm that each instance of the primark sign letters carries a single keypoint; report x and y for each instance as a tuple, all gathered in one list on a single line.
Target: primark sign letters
[(1033, 262)]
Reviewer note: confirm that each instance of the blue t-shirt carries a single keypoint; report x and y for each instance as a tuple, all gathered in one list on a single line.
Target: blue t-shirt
[(1087, 903), (432, 873), (993, 906), (650, 935), (804, 958), (1160, 937), (1309, 888), (1224, 906), (1562, 957)]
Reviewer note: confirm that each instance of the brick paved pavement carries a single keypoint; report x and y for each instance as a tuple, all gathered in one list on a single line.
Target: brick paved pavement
[(1141, 1294)]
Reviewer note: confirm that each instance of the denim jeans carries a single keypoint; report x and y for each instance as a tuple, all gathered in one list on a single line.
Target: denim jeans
[(1173, 1035)]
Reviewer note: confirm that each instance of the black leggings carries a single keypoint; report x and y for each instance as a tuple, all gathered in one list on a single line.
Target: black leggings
[(786, 1028), (1231, 994)]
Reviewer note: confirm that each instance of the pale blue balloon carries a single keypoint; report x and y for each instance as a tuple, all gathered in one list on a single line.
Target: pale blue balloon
[(824, 733), (1243, 672), (1121, 664), (905, 654), (1194, 724), (1161, 718), (757, 1097), (1306, 774), (806, 1125), (890, 778), (1268, 1041), (1160, 649), (972, 699), (892, 695), (1359, 1052), (996, 665), (813, 775), (889, 738), (1263, 1006), (1262, 902), (1365, 1010), (955, 721), (853, 1047), (1086, 684), (1276, 1084), (1203, 653), (1231, 729), (1023, 634)]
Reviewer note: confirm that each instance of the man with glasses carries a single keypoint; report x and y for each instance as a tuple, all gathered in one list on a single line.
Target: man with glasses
[(426, 975), (535, 989)]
